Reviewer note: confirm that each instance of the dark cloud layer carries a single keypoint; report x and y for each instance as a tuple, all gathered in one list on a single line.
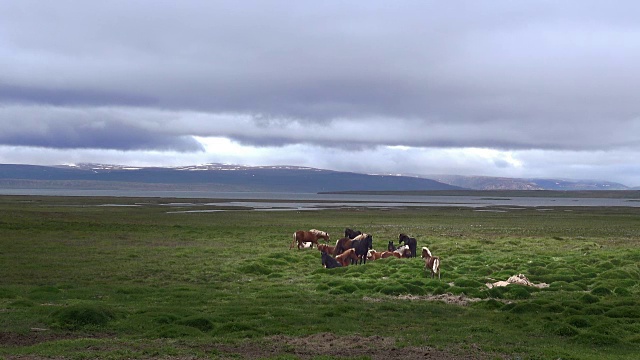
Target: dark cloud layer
[(508, 75)]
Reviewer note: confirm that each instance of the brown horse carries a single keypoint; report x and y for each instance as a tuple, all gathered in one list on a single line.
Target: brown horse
[(342, 245), (346, 243), (311, 236), (347, 257), (377, 255), (328, 249)]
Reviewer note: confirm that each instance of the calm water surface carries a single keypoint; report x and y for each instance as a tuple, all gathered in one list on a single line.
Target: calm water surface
[(312, 201)]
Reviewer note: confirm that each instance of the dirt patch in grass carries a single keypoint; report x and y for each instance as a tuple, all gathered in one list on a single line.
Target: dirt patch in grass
[(348, 346), (37, 337), (307, 347), (448, 298)]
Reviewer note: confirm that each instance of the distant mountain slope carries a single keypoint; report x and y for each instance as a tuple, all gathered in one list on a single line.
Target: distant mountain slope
[(211, 177), (500, 183)]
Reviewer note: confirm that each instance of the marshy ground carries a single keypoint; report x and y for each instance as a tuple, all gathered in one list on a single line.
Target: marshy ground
[(83, 280)]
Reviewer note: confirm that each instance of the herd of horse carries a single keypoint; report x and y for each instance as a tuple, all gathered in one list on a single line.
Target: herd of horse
[(357, 247)]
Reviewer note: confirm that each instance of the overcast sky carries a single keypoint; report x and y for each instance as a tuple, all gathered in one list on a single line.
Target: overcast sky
[(494, 88)]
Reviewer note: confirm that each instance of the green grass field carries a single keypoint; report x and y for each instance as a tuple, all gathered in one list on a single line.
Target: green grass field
[(82, 280)]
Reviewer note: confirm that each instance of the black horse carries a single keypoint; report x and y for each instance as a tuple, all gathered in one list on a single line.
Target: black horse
[(362, 246), (411, 242), (351, 234), (329, 262), (391, 247)]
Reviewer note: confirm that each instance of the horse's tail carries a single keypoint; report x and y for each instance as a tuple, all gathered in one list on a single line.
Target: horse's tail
[(436, 267), (294, 241)]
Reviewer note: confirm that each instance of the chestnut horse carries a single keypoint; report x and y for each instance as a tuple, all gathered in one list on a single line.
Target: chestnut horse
[(311, 236), (377, 255), (347, 257), (326, 248)]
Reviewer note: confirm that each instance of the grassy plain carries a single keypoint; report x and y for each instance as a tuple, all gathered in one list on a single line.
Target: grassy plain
[(93, 278)]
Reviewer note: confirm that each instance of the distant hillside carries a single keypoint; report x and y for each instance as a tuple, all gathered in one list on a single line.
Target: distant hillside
[(214, 177), (499, 183)]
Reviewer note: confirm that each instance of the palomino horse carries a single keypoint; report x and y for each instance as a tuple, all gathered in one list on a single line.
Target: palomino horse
[(412, 242), (311, 236), (329, 262)]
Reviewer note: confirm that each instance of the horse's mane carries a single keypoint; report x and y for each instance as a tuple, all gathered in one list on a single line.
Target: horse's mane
[(424, 248), (318, 232), (361, 236)]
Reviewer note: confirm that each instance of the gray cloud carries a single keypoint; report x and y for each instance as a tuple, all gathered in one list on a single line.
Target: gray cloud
[(97, 128), (526, 75)]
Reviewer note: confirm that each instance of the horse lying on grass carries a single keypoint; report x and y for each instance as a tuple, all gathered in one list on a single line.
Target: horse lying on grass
[(329, 262), (377, 255), (347, 257)]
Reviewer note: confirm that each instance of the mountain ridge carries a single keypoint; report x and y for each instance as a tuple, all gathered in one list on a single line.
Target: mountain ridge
[(214, 177), (278, 178)]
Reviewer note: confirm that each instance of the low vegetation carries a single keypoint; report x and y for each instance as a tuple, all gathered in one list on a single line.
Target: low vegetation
[(92, 278)]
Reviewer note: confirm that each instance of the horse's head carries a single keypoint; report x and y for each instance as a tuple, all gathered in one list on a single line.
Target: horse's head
[(425, 252), (402, 238), (369, 240), (325, 259), (391, 247)]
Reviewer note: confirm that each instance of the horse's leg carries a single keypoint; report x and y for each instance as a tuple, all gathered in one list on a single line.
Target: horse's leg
[(294, 241)]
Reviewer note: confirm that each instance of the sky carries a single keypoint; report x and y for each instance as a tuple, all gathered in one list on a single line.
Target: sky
[(534, 89)]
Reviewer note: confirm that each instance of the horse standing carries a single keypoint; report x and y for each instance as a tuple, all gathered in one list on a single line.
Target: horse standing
[(431, 262), (351, 234), (326, 248), (362, 244), (311, 236), (342, 245), (412, 242)]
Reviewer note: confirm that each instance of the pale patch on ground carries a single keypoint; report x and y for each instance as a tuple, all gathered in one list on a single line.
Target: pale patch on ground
[(448, 298)]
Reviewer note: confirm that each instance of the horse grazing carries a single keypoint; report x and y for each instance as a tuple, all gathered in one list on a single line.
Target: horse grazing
[(324, 248), (347, 257), (431, 262), (412, 242), (311, 236), (351, 233), (329, 262), (362, 244)]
